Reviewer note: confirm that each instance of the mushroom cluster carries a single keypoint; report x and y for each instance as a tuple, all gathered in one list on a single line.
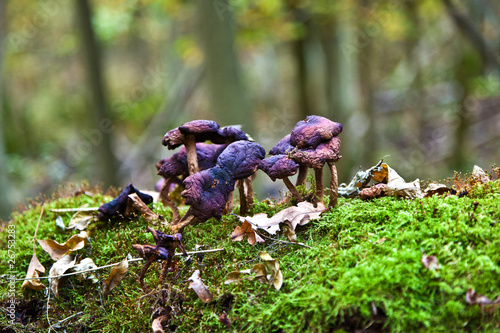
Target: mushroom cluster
[(207, 191), (312, 143)]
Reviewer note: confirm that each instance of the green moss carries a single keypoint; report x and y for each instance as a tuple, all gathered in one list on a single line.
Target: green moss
[(365, 256)]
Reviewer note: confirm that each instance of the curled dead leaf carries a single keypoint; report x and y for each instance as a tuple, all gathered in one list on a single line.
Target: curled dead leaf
[(434, 189), (273, 267), (158, 323), (115, 276), (486, 304), (81, 220), (58, 251), (290, 234), (295, 215), (135, 204), (246, 230), (479, 175), (430, 262), (59, 268), (83, 267), (372, 192), (197, 285), (34, 268)]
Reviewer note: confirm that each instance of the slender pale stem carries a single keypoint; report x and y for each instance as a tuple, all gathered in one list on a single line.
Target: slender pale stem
[(243, 199), (192, 157), (188, 219), (296, 195), (318, 174), (334, 185), (249, 194), (301, 178), (166, 201)]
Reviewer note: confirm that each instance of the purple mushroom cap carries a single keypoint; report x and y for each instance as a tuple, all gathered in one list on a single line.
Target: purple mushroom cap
[(230, 134), (279, 167), (177, 164), (207, 192), (316, 158), (282, 147), (241, 158), (203, 130), (310, 133)]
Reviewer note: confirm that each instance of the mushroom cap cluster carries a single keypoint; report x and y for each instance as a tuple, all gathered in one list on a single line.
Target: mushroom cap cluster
[(202, 130), (177, 164), (207, 191), (311, 132)]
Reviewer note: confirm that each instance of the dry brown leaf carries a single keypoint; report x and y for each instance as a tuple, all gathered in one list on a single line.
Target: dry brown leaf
[(272, 265), (57, 251), (289, 233), (397, 186), (260, 272), (296, 215), (486, 304), (83, 266), (381, 240), (434, 188), (372, 192), (81, 220), (246, 230), (115, 276), (430, 262), (34, 268), (197, 285), (135, 204), (59, 268), (479, 175), (158, 323)]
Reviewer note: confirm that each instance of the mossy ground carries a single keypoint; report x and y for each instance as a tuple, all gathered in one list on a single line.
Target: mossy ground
[(363, 270)]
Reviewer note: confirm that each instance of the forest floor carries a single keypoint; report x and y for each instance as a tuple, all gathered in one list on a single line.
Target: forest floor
[(361, 272)]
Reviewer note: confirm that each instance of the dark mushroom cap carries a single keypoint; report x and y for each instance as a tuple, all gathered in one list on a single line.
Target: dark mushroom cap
[(310, 133), (203, 130), (279, 167), (118, 205), (282, 147), (207, 192), (230, 134), (241, 158), (316, 158), (177, 165)]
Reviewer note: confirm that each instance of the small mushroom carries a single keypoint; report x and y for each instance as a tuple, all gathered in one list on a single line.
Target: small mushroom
[(200, 131), (207, 191), (311, 132), (326, 152), (281, 167), (284, 147), (188, 134)]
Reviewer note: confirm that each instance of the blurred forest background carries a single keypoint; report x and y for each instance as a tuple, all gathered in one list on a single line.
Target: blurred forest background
[(88, 88)]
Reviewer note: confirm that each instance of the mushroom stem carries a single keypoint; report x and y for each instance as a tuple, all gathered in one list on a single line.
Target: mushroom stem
[(296, 195), (243, 199), (301, 178), (318, 174), (166, 201), (144, 269), (334, 185), (188, 219), (248, 183), (192, 157), (229, 204)]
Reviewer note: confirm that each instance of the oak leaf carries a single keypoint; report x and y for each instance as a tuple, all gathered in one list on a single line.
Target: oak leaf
[(115, 276), (246, 230), (197, 285), (34, 268), (58, 251)]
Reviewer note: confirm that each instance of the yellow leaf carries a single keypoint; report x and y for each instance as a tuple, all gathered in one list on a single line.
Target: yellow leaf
[(34, 269), (57, 251), (115, 276)]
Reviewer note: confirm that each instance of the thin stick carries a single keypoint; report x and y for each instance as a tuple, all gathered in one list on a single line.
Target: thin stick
[(65, 319), (74, 210), (285, 242), (111, 265), (47, 312), (36, 230)]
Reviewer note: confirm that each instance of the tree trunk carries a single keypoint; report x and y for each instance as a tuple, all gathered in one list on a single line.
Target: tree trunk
[(101, 132), (5, 204), (229, 102)]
